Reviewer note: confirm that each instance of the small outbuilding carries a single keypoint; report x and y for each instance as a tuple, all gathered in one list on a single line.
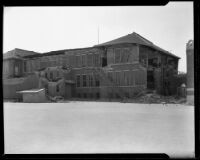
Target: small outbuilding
[(34, 95)]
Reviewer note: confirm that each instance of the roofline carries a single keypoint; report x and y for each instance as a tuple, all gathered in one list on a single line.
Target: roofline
[(164, 51), (56, 52)]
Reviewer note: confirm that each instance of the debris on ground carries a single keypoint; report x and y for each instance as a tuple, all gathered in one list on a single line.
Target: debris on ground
[(156, 98)]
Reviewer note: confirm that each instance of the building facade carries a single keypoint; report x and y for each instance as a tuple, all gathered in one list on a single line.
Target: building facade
[(121, 68)]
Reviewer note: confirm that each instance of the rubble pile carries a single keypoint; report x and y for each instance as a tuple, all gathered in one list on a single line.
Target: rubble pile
[(155, 98)]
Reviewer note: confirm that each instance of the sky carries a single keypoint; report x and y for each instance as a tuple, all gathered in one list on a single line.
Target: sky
[(43, 29)]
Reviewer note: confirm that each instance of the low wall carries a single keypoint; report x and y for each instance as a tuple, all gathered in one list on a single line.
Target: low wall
[(11, 86)]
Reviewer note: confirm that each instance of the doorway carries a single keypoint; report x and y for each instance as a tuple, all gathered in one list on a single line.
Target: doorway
[(150, 80)]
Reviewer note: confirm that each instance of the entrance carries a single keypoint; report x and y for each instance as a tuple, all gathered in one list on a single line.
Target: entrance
[(150, 80)]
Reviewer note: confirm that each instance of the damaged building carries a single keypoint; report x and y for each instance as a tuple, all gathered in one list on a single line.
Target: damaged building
[(121, 68)]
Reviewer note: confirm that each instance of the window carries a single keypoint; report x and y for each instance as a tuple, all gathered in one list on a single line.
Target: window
[(123, 56), (78, 79), (127, 55), (24, 66), (117, 55), (91, 95), (117, 95), (127, 95), (46, 76), (97, 95), (16, 70), (57, 88), (89, 58), (84, 60), (84, 81), (126, 78), (85, 95), (90, 80), (110, 95), (118, 78), (79, 95), (110, 76), (51, 75), (97, 83)]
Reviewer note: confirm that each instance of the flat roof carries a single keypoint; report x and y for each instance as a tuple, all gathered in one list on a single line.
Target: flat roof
[(31, 91)]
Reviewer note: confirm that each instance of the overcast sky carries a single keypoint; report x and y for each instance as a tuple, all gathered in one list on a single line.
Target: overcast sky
[(43, 29)]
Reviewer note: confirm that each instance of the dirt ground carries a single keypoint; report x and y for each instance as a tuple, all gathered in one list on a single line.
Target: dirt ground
[(99, 127)]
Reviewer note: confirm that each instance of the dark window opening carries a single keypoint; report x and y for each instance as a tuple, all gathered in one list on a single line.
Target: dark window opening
[(97, 82), (150, 80), (78, 78), (91, 95), (84, 81), (97, 95), (117, 95), (79, 95), (110, 95), (57, 88), (85, 95), (104, 61), (127, 95)]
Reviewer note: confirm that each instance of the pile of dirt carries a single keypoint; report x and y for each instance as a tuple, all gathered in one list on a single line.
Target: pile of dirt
[(155, 98)]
